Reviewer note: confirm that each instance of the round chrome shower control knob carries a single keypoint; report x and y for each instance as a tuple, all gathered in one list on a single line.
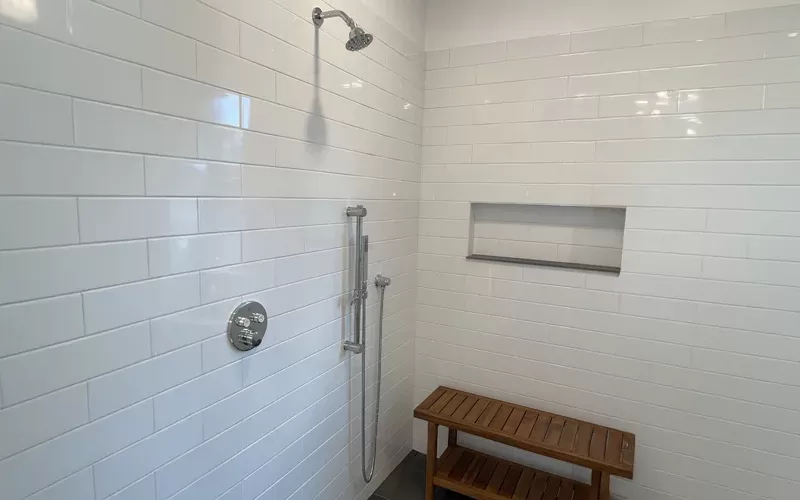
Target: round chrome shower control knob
[(248, 338), (247, 326)]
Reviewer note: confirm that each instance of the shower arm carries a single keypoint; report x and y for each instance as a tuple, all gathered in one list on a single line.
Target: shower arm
[(320, 16)]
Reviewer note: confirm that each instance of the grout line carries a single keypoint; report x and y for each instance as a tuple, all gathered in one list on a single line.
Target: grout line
[(300, 282), (690, 346), (276, 5), (74, 121), (612, 375), (142, 67)]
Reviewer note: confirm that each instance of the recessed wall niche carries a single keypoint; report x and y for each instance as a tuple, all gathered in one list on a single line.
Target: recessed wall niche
[(584, 238)]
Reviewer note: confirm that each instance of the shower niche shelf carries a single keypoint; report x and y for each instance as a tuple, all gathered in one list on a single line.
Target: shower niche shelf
[(583, 238)]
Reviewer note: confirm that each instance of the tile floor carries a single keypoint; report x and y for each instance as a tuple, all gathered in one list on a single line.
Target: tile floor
[(407, 482)]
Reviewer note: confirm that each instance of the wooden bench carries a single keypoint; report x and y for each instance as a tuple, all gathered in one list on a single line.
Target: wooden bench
[(603, 450)]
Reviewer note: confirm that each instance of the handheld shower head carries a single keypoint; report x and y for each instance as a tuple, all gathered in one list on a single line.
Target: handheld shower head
[(359, 39)]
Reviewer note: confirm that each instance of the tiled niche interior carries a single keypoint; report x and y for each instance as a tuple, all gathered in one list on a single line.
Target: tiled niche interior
[(588, 238)]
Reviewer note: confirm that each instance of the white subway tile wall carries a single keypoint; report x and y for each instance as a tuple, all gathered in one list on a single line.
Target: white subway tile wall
[(161, 162), (691, 124)]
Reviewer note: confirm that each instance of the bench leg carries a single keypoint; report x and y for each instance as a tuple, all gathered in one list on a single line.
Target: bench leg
[(430, 464), (601, 485), (452, 437)]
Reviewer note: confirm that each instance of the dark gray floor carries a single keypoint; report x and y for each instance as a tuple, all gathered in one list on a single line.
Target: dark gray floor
[(407, 482)]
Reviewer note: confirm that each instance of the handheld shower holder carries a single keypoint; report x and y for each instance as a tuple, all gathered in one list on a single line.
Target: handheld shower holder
[(358, 344)]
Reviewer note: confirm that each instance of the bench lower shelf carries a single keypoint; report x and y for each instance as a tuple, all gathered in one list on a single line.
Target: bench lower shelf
[(485, 477)]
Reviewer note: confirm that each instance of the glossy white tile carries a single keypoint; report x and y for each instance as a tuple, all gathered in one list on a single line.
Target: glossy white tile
[(498, 113), (192, 253), (271, 243), (120, 35), (114, 391), (42, 418), (130, 6), (538, 46), (447, 154), (181, 472), (723, 99), (177, 96), (478, 54), (451, 77), (178, 177), (233, 145), (190, 326), (196, 20), (188, 398), (604, 39), (104, 219), (78, 486), (106, 127), (438, 117), (299, 95), (111, 307), (437, 59), (37, 222), (434, 136), (775, 147), (219, 214), (143, 489), (681, 30), (39, 273), (566, 109), (49, 66), (33, 116), (121, 122), (36, 170), (98, 354), (49, 19), (612, 83), (650, 104), (762, 20), (721, 75), (134, 462), (231, 281), (785, 95), (64, 322), (75, 450), (227, 71)]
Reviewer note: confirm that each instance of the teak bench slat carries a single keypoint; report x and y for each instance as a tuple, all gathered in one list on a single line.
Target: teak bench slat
[(488, 478), (604, 450)]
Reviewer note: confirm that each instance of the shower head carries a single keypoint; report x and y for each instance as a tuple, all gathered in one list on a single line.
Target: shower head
[(359, 39)]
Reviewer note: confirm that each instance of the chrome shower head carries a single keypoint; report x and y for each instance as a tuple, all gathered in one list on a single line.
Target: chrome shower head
[(358, 40)]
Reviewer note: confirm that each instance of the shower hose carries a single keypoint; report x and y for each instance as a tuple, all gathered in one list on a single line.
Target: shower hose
[(369, 473)]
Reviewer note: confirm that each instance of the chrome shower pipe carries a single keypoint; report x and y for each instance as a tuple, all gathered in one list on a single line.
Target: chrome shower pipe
[(319, 17)]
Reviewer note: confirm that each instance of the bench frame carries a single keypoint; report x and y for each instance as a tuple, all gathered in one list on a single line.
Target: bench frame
[(599, 489)]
